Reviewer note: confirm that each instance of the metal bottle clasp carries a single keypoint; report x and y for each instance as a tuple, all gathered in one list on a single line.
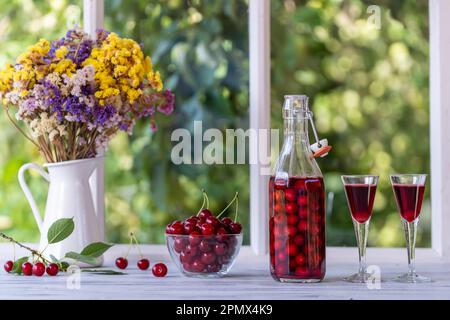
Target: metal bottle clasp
[(321, 147)]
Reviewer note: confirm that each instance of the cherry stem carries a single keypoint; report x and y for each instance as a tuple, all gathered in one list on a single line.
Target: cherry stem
[(133, 237), (33, 252), (129, 246), (205, 201), (206, 197), (237, 207), (231, 202)]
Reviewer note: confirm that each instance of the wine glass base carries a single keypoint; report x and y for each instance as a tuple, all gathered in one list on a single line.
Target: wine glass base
[(412, 278), (360, 277)]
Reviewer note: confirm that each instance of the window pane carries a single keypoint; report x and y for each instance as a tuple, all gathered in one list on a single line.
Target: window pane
[(369, 94), (201, 49)]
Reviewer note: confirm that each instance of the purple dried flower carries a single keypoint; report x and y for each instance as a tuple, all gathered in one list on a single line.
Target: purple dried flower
[(82, 53), (76, 110), (102, 114), (54, 100)]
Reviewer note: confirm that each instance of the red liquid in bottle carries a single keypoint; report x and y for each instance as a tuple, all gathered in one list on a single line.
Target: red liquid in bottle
[(409, 200), (360, 200), (297, 229)]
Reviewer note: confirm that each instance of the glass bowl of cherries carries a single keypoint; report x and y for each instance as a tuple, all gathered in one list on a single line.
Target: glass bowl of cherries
[(205, 245)]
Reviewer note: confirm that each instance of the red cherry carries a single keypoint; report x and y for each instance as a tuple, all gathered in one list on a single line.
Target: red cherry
[(27, 269), (194, 238), (190, 227), (213, 220), (299, 240), (143, 264), (222, 234), (205, 213), (279, 245), (169, 229), (187, 267), (191, 219), (178, 227), (291, 208), (52, 269), (220, 249), (302, 200), (235, 227), (281, 256), (208, 258), (8, 266), (302, 226), (292, 219), (290, 195), (303, 212), (190, 251), (302, 272), (292, 231), (300, 259), (159, 270), (292, 249), (226, 220), (121, 263), (179, 244), (204, 246), (207, 229), (185, 258), (222, 231), (38, 269), (197, 266), (278, 207)]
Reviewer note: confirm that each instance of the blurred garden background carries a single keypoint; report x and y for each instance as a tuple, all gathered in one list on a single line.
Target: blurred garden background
[(368, 89)]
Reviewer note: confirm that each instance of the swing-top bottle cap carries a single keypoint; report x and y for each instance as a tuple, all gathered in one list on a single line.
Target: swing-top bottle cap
[(294, 105)]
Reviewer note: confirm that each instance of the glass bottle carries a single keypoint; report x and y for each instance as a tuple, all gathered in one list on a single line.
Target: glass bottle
[(297, 202)]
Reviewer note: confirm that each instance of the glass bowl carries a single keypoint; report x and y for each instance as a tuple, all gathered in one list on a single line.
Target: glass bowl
[(204, 256)]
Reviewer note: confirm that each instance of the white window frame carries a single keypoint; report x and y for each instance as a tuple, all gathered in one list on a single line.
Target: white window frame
[(259, 38)]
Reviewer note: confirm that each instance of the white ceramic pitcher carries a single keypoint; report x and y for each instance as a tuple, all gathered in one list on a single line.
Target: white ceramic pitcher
[(69, 195)]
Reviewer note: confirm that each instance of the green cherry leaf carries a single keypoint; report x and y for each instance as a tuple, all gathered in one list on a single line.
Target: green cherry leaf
[(63, 266), (60, 230), (17, 266), (80, 257), (53, 258), (96, 249)]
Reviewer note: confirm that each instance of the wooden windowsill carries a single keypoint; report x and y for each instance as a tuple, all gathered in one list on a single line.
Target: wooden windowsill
[(249, 279)]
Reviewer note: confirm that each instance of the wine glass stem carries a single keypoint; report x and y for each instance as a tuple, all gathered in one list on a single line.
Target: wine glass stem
[(361, 231), (410, 229)]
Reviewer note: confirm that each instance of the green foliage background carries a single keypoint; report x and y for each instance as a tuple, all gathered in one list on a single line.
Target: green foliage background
[(369, 90)]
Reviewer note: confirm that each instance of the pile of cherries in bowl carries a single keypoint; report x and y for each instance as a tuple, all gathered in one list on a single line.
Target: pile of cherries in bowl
[(205, 245)]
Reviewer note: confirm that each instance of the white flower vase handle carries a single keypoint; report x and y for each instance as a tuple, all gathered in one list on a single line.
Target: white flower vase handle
[(26, 189)]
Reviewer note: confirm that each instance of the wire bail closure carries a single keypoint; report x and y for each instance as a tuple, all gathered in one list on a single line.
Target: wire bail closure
[(321, 147)]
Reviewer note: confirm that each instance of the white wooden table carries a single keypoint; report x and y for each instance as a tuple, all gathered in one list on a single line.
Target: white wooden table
[(249, 279)]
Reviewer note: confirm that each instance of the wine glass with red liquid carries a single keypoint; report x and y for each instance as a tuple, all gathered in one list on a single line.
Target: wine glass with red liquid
[(408, 191), (360, 192)]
